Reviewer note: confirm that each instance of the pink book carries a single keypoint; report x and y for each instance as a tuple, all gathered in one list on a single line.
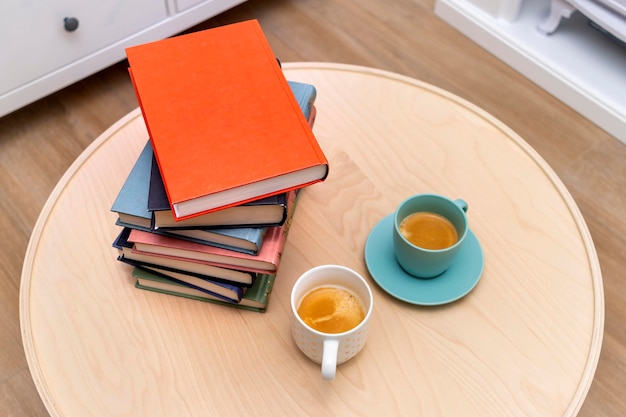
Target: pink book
[(266, 261)]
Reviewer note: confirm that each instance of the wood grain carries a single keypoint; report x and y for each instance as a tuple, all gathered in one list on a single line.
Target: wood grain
[(520, 343), (39, 142)]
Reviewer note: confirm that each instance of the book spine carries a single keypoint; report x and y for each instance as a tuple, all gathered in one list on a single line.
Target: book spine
[(276, 237), (260, 291)]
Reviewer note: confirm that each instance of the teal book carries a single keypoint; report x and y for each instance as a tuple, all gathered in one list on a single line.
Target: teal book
[(131, 205), (255, 298), (241, 239), (305, 95)]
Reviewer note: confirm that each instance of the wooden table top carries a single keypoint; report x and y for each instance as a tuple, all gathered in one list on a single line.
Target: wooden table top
[(525, 341)]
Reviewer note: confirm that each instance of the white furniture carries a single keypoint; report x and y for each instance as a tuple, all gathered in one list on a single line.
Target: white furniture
[(576, 64), (608, 15), (48, 45)]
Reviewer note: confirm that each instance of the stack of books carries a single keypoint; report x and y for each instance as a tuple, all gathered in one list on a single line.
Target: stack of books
[(206, 209)]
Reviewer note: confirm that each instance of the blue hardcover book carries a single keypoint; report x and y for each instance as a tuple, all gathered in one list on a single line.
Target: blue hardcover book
[(131, 205), (241, 239), (305, 95)]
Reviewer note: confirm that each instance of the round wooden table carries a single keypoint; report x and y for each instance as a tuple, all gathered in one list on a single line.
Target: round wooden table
[(524, 341)]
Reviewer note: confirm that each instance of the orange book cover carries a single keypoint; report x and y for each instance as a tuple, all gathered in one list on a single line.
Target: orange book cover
[(224, 124)]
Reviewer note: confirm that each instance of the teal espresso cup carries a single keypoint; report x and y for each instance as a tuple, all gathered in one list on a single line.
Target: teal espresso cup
[(426, 245)]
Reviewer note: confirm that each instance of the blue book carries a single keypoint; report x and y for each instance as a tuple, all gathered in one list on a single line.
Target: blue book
[(241, 239), (131, 205), (305, 95)]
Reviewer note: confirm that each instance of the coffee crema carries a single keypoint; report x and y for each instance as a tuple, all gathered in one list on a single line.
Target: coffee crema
[(331, 310), (428, 230)]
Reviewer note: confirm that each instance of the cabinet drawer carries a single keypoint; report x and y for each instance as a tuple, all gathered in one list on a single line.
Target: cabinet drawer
[(37, 42), (182, 5)]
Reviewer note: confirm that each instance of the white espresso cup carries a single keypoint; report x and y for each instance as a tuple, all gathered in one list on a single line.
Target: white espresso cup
[(330, 349)]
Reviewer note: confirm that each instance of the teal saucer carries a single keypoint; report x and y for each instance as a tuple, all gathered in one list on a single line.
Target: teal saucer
[(455, 283)]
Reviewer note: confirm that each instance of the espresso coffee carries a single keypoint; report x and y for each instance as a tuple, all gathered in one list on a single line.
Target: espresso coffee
[(428, 230), (331, 310)]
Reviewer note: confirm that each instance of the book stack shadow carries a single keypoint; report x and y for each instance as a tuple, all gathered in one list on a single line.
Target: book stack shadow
[(206, 209)]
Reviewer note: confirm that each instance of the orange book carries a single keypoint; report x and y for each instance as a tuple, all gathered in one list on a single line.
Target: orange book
[(224, 124)]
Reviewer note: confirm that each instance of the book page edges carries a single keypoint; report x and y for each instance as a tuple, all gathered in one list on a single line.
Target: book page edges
[(250, 192)]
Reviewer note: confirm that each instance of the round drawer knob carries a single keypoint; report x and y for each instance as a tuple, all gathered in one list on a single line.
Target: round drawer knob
[(70, 24)]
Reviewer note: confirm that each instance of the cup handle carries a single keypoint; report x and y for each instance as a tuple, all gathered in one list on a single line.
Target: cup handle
[(329, 359), (461, 203)]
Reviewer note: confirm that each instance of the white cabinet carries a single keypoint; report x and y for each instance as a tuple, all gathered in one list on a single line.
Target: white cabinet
[(42, 44), (578, 65), (182, 5), (506, 10), (47, 45)]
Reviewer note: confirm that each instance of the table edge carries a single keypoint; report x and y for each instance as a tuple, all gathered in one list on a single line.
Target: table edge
[(25, 282)]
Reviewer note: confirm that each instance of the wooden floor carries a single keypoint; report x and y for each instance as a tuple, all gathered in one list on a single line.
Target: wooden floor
[(39, 142)]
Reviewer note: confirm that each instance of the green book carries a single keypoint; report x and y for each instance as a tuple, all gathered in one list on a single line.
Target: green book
[(255, 298)]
